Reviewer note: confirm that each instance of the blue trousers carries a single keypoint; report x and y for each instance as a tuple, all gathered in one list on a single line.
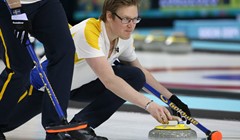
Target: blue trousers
[(50, 27)]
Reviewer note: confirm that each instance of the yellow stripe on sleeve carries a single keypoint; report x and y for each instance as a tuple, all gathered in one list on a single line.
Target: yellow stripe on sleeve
[(76, 59), (92, 32)]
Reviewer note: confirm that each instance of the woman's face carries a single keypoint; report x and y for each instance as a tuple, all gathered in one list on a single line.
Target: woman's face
[(123, 24)]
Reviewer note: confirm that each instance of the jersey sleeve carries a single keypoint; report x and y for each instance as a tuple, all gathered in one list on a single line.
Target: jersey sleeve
[(87, 39)]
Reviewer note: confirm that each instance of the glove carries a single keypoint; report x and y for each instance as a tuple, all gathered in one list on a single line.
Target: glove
[(35, 78), (180, 105), (21, 25)]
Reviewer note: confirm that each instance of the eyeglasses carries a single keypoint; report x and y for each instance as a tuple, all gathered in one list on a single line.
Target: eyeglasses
[(128, 20)]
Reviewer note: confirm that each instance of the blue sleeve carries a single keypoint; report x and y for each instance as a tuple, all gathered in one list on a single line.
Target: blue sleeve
[(35, 78)]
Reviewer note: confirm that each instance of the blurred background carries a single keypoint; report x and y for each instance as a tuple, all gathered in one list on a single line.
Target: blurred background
[(194, 22)]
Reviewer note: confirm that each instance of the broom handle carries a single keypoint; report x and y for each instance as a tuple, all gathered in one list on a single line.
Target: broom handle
[(45, 81)]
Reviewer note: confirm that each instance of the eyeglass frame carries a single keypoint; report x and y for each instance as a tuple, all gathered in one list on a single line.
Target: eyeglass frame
[(128, 20)]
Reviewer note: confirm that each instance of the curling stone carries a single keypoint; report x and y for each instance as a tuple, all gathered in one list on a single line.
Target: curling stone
[(177, 43), (154, 41), (172, 132)]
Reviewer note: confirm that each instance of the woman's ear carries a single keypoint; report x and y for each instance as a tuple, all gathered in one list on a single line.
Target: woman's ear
[(109, 16)]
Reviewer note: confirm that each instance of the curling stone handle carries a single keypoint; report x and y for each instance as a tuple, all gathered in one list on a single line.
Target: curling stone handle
[(178, 119)]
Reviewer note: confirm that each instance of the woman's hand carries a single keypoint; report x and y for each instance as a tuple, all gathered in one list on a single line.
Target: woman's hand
[(160, 113)]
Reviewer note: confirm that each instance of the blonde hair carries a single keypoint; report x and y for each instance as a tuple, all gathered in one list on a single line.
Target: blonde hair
[(114, 5)]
